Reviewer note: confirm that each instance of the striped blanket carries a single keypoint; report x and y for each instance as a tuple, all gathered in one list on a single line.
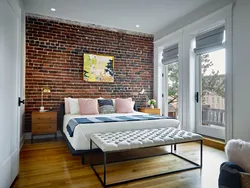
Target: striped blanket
[(76, 121)]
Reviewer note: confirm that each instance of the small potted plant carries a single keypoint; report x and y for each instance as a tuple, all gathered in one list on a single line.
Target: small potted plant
[(152, 103)]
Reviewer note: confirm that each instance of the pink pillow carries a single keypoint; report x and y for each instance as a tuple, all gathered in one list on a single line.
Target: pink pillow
[(88, 106), (124, 105), (66, 104)]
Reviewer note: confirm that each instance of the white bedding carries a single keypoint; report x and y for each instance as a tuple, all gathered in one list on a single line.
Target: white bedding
[(82, 132)]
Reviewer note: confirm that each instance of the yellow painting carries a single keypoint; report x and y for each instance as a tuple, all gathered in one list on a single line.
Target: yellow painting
[(98, 68)]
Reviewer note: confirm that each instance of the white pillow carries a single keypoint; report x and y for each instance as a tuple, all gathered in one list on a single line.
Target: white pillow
[(66, 105), (74, 106)]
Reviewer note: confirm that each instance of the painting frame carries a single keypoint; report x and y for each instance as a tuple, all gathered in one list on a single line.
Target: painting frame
[(98, 68)]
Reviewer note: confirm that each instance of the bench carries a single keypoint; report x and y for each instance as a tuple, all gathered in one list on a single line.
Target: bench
[(145, 138)]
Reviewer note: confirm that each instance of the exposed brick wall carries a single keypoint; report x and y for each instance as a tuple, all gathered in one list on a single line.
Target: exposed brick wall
[(54, 58)]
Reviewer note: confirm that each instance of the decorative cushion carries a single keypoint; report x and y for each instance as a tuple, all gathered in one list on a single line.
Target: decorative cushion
[(124, 105), (73, 106), (133, 103), (88, 106), (106, 106), (66, 104), (230, 175), (238, 152)]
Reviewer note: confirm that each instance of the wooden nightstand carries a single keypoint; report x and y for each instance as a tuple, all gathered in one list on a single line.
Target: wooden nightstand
[(150, 110), (44, 123)]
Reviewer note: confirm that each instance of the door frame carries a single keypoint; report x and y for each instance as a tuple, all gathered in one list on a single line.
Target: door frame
[(165, 90)]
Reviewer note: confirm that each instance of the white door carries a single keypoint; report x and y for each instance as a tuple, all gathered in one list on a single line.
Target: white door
[(9, 91), (210, 94)]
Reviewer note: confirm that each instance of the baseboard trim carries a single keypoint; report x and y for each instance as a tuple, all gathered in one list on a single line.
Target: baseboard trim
[(27, 135), (214, 143)]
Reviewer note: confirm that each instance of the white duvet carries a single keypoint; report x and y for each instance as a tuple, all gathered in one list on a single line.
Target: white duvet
[(82, 132)]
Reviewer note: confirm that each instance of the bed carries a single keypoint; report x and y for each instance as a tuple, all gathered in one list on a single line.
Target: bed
[(80, 142)]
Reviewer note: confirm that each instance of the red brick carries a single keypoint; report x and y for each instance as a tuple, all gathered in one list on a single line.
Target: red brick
[(54, 58)]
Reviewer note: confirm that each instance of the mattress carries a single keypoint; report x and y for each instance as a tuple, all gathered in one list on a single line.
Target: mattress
[(82, 132)]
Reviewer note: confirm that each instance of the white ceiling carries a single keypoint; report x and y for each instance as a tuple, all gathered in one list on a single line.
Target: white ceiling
[(151, 15)]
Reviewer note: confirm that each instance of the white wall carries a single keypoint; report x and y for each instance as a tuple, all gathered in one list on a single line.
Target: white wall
[(241, 70), (191, 17)]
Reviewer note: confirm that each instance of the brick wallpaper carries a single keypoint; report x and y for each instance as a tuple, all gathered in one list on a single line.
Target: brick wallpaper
[(54, 58)]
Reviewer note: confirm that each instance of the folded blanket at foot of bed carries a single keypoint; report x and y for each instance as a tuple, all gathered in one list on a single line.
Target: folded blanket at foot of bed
[(76, 121)]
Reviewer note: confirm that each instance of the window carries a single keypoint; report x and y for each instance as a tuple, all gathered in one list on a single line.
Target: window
[(213, 77), (218, 100), (170, 60), (173, 84)]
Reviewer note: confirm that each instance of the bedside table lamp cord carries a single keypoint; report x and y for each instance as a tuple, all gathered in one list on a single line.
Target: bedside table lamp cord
[(43, 90)]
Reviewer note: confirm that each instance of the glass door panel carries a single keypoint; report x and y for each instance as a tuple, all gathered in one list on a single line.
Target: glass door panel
[(171, 89), (210, 96)]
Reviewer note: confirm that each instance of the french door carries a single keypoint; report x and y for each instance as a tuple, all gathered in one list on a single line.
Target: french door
[(210, 94)]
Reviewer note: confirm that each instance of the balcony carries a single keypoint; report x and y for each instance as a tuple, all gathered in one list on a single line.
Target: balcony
[(211, 116)]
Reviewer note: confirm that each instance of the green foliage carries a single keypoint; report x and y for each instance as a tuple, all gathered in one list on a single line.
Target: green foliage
[(214, 82), (151, 101), (173, 81)]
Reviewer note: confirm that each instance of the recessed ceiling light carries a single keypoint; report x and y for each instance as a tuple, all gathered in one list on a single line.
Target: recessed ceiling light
[(137, 26), (53, 9)]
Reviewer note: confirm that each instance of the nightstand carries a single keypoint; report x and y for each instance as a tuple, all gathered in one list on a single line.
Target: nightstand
[(150, 110), (44, 123)]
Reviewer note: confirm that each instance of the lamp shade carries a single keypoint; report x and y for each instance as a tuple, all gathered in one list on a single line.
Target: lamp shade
[(46, 90)]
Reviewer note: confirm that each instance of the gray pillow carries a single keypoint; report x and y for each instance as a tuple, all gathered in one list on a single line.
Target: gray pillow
[(106, 106)]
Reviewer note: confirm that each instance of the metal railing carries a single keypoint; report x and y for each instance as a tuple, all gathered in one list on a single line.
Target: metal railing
[(211, 116)]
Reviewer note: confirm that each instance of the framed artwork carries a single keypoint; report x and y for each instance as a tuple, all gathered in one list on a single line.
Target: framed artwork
[(98, 68)]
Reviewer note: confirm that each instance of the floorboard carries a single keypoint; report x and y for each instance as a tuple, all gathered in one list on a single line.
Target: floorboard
[(50, 164)]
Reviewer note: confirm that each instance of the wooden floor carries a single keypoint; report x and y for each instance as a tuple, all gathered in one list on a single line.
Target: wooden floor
[(49, 164)]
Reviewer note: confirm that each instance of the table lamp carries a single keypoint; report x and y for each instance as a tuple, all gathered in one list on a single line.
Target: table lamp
[(43, 90), (142, 92)]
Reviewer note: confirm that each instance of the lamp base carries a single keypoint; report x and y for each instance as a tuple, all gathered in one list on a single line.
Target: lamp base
[(41, 109)]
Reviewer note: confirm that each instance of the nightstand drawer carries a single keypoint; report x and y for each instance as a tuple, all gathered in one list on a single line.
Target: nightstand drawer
[(44, 123), (44, 128), (44, 117)]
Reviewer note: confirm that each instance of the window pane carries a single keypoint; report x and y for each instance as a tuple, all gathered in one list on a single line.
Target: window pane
[(213, 87), (173, 84)]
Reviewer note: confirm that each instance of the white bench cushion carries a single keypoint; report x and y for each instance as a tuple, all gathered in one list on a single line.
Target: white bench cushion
[(114, 141)]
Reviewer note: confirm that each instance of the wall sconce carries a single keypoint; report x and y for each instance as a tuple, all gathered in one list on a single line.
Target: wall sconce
[(142, 92)]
